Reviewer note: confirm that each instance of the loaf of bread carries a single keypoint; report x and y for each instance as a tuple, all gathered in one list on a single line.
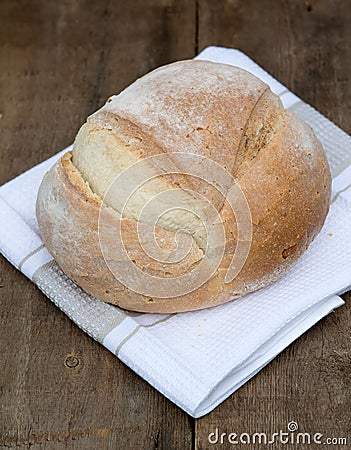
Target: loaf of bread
[(190, 188)]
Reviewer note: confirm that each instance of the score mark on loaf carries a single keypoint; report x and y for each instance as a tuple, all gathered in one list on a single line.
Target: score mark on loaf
[(191, 187)]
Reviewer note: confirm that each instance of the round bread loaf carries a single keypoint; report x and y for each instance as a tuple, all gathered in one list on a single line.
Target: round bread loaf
[(191, 187)]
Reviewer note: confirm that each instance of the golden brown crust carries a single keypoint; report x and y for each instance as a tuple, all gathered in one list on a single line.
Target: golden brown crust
[(276, 159)]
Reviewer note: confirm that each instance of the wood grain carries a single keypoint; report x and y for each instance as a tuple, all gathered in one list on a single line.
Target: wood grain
[(305, 45), (308, 383), (58, 62)]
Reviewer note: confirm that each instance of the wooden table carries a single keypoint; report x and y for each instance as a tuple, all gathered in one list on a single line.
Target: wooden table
[(59, 61)]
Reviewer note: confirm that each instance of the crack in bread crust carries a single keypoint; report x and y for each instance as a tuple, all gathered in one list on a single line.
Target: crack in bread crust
[(115, 158), (264, 121), (240, 156)]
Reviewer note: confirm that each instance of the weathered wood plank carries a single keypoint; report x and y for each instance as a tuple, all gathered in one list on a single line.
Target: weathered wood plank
[(308, 383), (59, 61), (305, 44)]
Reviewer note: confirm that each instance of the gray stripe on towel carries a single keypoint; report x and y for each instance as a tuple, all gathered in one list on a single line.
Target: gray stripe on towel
[(132, 333), (30, 255)]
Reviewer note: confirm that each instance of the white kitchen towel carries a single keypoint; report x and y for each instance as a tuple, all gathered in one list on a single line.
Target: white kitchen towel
[(197, 359)]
